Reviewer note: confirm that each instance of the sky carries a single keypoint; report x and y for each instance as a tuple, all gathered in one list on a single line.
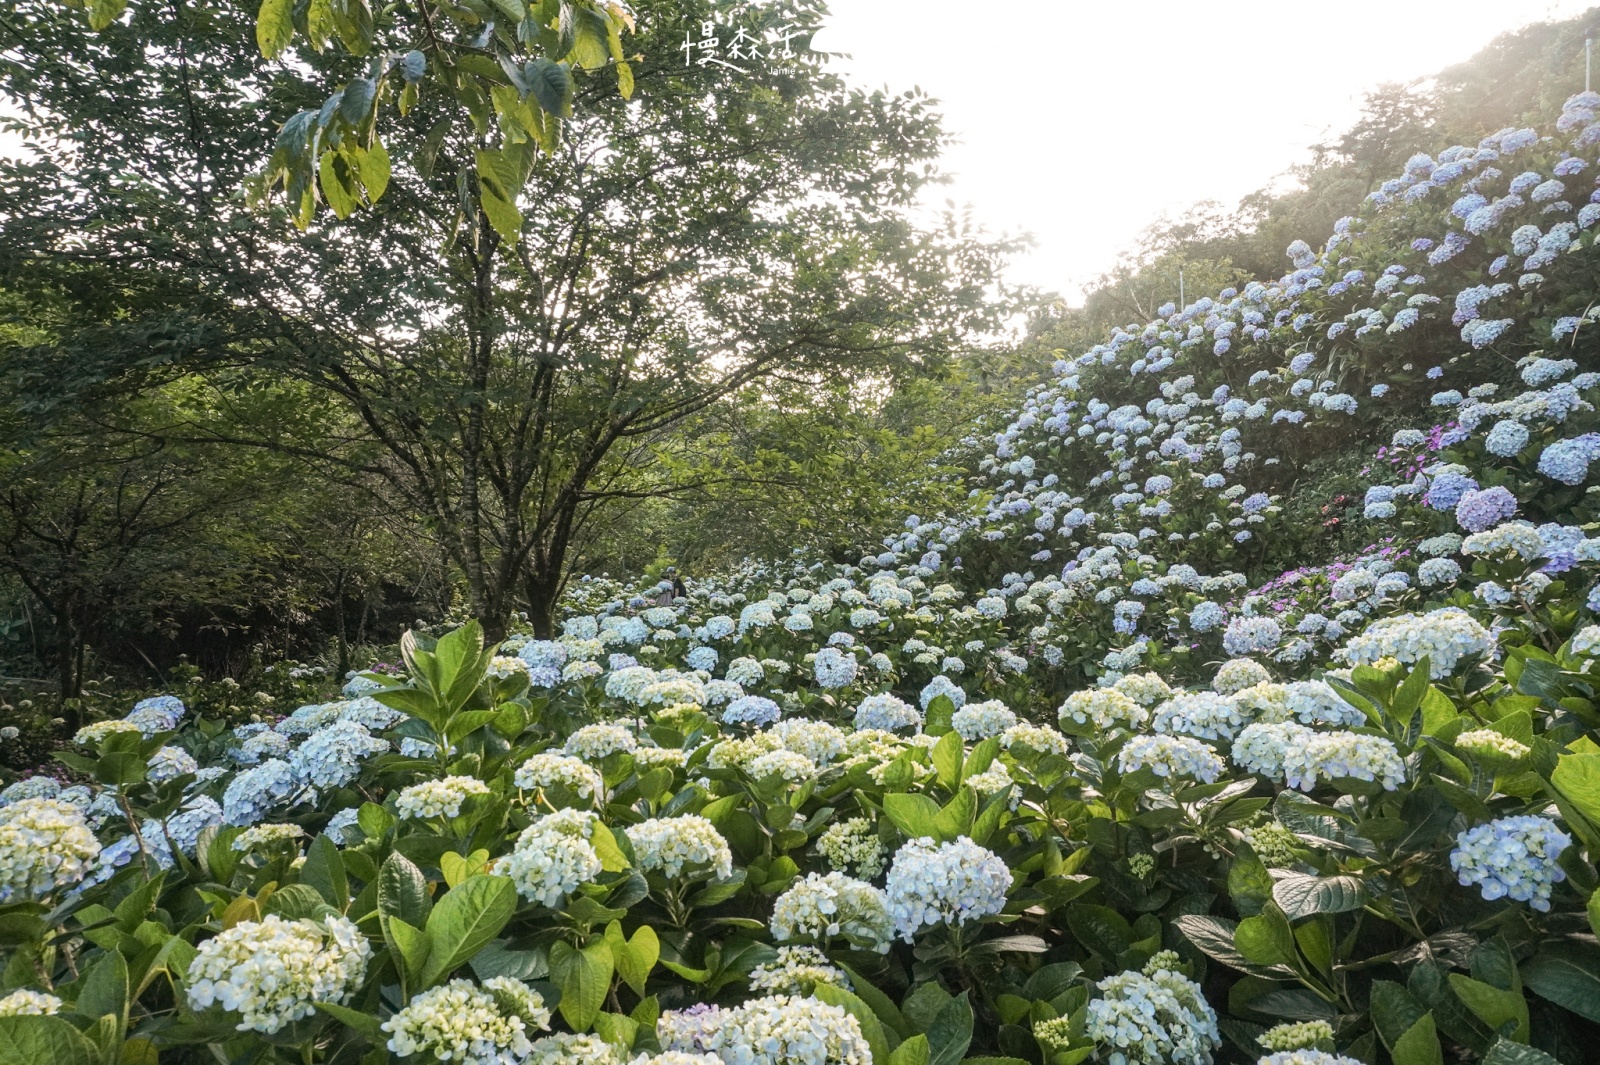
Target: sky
[(1083, 121)]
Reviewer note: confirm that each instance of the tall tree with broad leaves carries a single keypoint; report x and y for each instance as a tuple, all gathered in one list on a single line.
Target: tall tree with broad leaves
[(508, 369)]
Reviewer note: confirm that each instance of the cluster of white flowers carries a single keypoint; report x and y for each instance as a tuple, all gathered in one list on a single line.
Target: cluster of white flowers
[(1041, 738), (552, 857), (953, 882), (565, 1048), (45, 844), (817, 740), (594, 742), (1444, 637), (1304, 1035), (887, 712), (1146, 689), (824, 905), (459, 1022), (977, 721), (1513, 857), (1157, 1017), (648, 758), (776, 1030), (853, 846), (1492, 747), (675, 844), (1237, 674), (559, 770), (790, 765), (438, 798), (271, 971), (1307, 1057), (1102, 708), (27, 1003), (268, 836), (1171, 756), (797, 971), (91, 735), (1206, 715)]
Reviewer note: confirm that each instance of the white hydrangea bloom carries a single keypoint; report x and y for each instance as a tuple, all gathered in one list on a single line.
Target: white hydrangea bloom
[(594, 742), (1102, 708), (459, 1022), (549, 770), (45, 844), (271, 971), (673, 845), (797, 971), (977, 721), (438, 798), (1155, 1019), (1445, 637), (27, 1003), (853, 845), (825, 905), (552, 857), (953, 882)]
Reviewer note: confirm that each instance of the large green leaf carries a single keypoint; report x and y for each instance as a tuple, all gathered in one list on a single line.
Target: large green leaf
[(1419, 1045), (949, 755), (1507, 1053), (584, 977), (1567, 974), (951, 1032), (1577, 777), (403, 891), (274, 26), (914, 815), (324, 871), (1265, 939), (43, 1040), (1492, 1005), (470, 914), (1301, 896)]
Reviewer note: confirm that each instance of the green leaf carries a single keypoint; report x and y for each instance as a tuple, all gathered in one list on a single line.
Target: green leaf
[(1249, 882), (1394, 1011), (1265, 939), (105, 989), (955, 820), (402, 891), (951, 1032), (551, 84), (949, 756), (44, 1040), (584, 977), (367, 1025), (1419, 1045), (913, 1051), (274, 26), (1507, 1053), (1100, 928), (1301, 896), (1567, 974), (410, 944), (324, 871), (469, 915), (1577, 778), (634, 958), (913, 815), (883, 1006), (1493, 1006), (838, 996)]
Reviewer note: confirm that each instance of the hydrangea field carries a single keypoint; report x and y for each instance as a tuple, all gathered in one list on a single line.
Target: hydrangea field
[(1079, 774)]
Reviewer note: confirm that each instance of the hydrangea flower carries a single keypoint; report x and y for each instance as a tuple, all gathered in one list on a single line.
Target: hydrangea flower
[(887, 712), (1154, 1018), (826, 905), (1171, 756), (852, 846), (954, 882), (797, 971), (1512, 857), (438, 798), (834, 668), (753, 710), (271, 972), (552, 857), (28, 1003), (594, 742), (977, 721), (674, 845), (1102, 709), (45, 845), (474, 1026), (1445, 637), (1206, 715), (549, 770)]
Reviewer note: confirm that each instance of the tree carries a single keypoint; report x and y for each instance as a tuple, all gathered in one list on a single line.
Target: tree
[(507, 377)]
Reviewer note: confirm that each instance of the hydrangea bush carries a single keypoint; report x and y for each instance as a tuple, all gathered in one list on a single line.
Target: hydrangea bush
[(1086, 772)]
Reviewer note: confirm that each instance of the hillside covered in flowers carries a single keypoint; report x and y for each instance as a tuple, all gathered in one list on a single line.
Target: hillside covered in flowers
[(1155, 754)]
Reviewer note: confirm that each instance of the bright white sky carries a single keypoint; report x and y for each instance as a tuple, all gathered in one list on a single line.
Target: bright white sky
[(1082, 121)]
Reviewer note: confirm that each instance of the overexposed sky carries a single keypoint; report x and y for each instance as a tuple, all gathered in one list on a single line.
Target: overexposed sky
[(1081, 121)]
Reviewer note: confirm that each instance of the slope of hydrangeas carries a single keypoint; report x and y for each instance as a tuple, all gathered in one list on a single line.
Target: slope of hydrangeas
[(1140, 800)]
